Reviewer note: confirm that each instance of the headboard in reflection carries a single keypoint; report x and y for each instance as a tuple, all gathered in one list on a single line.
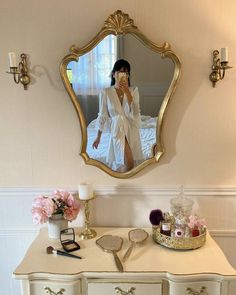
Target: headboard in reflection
[(154, 72)]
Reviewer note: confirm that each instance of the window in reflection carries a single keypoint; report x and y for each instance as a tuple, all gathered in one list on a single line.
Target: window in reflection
[(92, 72), (150, 72)]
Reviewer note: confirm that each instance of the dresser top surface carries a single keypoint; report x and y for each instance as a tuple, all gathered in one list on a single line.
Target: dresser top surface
[(149, 257)]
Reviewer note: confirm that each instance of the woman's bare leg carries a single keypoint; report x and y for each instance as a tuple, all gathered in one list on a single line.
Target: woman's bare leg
[(129, 161)]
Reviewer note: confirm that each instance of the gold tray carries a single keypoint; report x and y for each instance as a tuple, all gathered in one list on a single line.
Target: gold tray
[(178, 243)]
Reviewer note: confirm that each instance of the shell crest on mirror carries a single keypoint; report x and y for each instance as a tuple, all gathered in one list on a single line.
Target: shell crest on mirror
[(120, 22)]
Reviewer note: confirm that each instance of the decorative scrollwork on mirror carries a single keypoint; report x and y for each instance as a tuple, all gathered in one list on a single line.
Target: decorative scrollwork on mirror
[(121, 120)]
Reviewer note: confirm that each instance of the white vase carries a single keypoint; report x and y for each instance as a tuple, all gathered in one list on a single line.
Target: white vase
[(56, 224)]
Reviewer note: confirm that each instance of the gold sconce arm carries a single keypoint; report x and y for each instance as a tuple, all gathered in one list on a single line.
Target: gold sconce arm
[(20, 72), (218, 68)]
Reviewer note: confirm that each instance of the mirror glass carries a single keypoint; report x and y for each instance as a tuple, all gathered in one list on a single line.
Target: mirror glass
[(131, 136)]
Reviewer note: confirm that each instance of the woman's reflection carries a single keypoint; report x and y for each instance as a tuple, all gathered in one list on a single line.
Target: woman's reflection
[(119, 113)]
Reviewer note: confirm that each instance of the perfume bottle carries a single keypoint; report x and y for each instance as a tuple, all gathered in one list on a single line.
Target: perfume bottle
[(165, 228), (179, 229), (195, 232)]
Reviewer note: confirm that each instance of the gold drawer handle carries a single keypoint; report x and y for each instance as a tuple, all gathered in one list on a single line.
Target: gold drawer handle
[(48, 290), (202, 291), (121, 292)]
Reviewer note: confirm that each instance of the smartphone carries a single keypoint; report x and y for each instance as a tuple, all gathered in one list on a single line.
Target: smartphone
[(122, 76)]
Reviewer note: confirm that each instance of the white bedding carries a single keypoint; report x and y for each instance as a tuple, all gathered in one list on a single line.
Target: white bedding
[(147, 134)]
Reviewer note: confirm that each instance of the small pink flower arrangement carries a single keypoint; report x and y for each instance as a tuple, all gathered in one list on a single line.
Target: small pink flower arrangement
[(61, 202), (196, 222)]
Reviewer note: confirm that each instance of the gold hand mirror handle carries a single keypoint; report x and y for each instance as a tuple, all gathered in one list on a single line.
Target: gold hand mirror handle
[(118, 262), (112, 244), (136, 237)]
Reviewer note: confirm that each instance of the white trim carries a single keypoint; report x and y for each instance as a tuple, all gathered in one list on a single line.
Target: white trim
[(125, 191), (210, 191), (137, 191), (99, 190), (223, 233), (18, 231), (165, 191), (27, 191)]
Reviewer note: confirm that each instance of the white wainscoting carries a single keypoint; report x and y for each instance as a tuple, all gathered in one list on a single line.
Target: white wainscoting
[(114, 206)]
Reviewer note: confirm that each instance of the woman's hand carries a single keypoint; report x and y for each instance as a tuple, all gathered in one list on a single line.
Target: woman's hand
[(124, 86), (96, 142)]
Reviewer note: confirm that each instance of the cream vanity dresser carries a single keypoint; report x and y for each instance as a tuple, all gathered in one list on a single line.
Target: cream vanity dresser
[(151, 269)]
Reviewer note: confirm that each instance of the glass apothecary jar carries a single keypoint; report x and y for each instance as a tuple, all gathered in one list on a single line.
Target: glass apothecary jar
[(181, 208)]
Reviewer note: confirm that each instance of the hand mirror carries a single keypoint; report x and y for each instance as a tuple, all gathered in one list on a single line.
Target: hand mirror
[(136, 237), (111, 244)]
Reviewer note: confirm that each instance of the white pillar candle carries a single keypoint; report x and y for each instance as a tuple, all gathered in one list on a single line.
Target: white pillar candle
[(12, 59), (224, 54), (85, 191)]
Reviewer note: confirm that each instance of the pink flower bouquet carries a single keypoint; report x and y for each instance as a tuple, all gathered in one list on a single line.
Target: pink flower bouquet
[(61, 202), (196, 222)]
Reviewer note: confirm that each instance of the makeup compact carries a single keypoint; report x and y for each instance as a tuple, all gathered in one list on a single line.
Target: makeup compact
[(67, 237)]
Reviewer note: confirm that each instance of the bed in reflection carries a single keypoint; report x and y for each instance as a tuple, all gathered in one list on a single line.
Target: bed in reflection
[(147, 135)]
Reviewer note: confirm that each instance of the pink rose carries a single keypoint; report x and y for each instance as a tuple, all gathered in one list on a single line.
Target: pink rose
[(39, 215), (61, 195), (70, 213), (195, 221), (42, 208), (70, 200), (48, 207), (38, 201)]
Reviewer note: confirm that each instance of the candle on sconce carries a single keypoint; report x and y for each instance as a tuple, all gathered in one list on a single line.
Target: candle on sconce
[(86, 194), (85, 191), (12, 59), (224, 54)]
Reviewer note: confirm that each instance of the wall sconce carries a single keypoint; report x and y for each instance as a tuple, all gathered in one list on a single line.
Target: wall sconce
[(20, 72), (219, 66)]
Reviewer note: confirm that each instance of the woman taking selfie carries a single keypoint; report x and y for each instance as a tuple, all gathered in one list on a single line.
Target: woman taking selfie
[(119, 112)]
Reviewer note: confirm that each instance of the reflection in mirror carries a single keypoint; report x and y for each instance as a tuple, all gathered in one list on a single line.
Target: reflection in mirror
[(149, 72), (153, 74)]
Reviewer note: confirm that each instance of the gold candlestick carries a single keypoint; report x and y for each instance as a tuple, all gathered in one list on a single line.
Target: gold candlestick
[(87, 233)]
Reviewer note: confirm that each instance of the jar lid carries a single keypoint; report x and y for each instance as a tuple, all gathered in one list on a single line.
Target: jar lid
[(181, 202)]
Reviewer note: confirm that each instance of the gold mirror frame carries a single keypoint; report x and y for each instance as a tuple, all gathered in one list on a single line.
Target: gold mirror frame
[(120, 23)]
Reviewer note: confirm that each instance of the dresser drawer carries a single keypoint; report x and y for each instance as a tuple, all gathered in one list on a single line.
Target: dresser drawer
[(124, 288), (48, 287), (195, 288)]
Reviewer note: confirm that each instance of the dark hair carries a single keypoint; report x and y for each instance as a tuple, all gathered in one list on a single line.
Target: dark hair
[(119, 64)]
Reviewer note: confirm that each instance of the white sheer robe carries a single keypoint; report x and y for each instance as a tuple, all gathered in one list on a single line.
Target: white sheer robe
[(123, 120)]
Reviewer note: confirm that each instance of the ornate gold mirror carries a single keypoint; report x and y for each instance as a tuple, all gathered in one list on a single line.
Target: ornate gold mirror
[(121, 124)]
